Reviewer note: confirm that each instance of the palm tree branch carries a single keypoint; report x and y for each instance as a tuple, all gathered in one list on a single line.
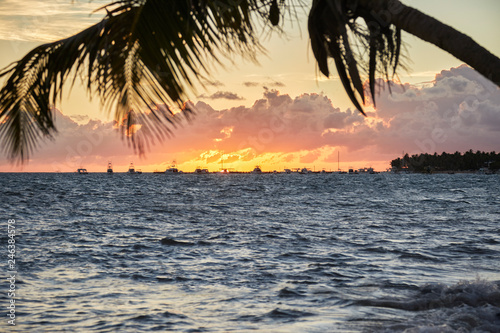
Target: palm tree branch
[(334, 33), (141, 55)]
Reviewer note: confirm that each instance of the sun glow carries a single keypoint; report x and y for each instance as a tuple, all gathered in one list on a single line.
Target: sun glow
[(245, 160)]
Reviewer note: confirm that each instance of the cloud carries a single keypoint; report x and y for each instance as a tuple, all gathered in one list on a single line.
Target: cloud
[(214, 83), (272, 84), (310, 157), (251, 84), (222, 95), (231, 158), (276, 84), (277, 123), (458, 111), (75, 144), (80, 118)]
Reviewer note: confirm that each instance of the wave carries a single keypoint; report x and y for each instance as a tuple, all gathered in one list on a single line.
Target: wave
[(288, 292), (432, 296), (173, 242), (466, 307)]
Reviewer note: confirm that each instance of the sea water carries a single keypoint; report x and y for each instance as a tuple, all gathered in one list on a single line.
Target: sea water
[(252, 253)]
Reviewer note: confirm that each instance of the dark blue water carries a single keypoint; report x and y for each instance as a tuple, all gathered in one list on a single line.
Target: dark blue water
[(265, 253)]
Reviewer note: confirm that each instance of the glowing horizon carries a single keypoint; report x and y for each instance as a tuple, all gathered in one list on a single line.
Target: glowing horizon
[(278, 114), (457, 112)]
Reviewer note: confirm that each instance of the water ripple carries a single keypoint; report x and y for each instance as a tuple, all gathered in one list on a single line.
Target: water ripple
[(264, 253)]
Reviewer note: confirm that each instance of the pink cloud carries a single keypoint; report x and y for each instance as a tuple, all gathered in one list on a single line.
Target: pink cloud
[(310, 157), (460, 110)]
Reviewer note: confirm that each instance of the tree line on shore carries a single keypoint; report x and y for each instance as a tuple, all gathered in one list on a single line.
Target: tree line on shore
[(469, 161)]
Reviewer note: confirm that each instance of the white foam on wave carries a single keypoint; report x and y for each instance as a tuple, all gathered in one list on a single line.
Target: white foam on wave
[(468, 306)]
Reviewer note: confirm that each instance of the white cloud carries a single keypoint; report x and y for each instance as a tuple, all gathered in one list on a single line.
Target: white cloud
[(458, 112), (222, 95)]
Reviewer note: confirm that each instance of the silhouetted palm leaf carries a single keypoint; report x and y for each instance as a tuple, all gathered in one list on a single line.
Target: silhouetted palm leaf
[(335, 32), (364, 36), (143, 54)]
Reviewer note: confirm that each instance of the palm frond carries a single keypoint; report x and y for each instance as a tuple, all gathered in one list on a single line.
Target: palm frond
[(335, 32), (143, 54)]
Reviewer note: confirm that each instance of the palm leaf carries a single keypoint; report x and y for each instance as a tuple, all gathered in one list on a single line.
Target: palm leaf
[(335, 33), (143, 56)]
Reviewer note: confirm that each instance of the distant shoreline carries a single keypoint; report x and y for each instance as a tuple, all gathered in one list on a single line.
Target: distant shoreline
[(263, 172)]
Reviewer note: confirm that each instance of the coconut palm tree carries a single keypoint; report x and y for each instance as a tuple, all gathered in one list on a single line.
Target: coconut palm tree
[(145, 56)]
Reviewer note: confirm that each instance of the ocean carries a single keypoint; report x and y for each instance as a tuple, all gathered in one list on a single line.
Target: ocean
[(251, 253)]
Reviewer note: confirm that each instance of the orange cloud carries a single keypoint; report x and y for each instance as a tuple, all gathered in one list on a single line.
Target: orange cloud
[(460, 110)]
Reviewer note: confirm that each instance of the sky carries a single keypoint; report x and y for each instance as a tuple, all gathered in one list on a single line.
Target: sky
[(279, 113)]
